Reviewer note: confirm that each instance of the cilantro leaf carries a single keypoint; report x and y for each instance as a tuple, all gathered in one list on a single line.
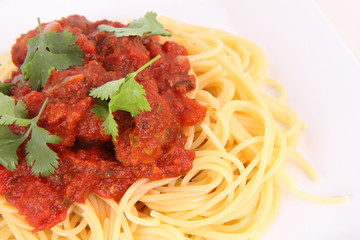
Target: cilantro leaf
[(8, 120), (5, 88), (47, 52), (144, 27), (125, 94), (130, 98), (107, 90), (38, 154), (11, 112), (9, 143), (102, 111)]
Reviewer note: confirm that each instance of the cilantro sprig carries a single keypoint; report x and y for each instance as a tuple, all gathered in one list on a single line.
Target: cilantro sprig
[(38, 154), (47, 52), (144, 27), (5, 88), (125, 94)]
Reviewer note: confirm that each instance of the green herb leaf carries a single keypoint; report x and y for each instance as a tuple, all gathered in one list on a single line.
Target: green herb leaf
[(144, 27), (130, 98), (47, 52), (102, 111), (107, 90), (5, 88), (125, 94), (9, 143), (38, 154), (11, 112)]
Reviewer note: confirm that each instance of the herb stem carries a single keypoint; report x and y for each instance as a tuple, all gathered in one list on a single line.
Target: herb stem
[(40, 26), (147, 64), (41, 110)]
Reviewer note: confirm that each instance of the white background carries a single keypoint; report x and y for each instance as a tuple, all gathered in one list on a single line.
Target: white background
[(306, 54), (345, 18)]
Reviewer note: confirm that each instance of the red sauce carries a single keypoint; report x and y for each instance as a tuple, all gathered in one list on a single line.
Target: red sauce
[(148, 146)]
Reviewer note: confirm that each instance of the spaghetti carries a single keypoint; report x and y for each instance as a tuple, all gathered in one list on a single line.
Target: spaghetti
[(233, 190)]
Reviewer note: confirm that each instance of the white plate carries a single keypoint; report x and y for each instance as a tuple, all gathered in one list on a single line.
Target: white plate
[(305, 54)]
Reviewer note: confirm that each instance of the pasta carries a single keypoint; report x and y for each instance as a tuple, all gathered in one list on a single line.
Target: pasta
[(233, 190)]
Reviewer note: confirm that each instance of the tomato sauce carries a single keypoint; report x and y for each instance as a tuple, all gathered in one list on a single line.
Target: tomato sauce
[(150, 145)]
